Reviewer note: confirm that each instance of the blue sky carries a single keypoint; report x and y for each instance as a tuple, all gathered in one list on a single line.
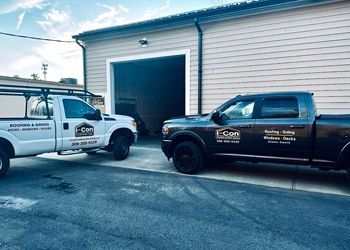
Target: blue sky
[(62, 19)]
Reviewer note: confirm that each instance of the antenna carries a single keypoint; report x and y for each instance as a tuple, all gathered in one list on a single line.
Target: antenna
[(44, 67)]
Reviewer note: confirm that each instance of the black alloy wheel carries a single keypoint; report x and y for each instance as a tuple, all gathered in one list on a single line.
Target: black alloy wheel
[(188, 158)]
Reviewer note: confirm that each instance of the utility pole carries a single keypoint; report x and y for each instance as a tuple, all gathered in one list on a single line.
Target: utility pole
[(44, 69)]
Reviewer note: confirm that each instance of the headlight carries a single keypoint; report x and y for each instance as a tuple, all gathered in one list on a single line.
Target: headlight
[(165, 130)]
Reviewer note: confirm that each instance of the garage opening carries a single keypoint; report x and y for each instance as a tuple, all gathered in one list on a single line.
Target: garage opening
[(150, 90)]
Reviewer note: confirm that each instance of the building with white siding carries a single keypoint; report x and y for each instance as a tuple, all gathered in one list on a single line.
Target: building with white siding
[(153, 67)]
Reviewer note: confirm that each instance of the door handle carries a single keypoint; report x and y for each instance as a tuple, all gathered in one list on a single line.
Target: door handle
[(297, 126), (66, 126), (244, 126)]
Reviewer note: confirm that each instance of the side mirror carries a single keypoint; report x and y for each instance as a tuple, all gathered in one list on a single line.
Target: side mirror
[(215, 116), (93, 116), (98, 116)]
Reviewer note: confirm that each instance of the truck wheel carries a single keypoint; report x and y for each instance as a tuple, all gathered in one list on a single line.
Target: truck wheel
[(188, 158), (4, 163), (348, 174), (121, 147)]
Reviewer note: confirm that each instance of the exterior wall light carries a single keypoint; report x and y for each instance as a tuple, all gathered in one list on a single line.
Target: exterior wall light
[(143, 42)]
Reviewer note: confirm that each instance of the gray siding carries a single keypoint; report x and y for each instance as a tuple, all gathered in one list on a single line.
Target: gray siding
[(160, 41), (301, 49)]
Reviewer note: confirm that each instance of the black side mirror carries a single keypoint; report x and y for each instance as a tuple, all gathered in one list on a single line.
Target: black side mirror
[(93, 116), (98, 116), (215, 116)]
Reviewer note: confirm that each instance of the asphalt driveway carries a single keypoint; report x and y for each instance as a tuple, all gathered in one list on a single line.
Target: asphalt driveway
[(147, 155), (61, 204)]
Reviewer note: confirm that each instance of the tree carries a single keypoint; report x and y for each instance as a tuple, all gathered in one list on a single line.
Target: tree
[(35, 76)]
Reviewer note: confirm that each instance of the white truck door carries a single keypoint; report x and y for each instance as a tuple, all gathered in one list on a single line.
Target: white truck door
[(77, 131)]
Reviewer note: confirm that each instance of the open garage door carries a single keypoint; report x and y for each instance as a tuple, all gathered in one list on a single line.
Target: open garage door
[(150, 90)]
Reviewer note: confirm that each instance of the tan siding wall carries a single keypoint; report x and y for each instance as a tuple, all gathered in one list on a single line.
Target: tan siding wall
[(301, 49), (160, 41)]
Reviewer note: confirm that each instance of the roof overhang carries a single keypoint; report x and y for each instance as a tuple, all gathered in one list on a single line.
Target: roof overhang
[(205, 15)]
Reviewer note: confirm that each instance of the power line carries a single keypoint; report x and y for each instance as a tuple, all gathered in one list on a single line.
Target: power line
[(36, 38)]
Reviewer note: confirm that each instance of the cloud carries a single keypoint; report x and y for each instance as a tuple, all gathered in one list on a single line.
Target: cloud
[(111, 17), (29, 4), (149, 14), (22, 5), (53, 17), (63, 59), (20, 20), (123, 8)]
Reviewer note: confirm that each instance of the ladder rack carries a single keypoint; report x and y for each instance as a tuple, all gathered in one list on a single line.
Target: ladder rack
[(16, 90)]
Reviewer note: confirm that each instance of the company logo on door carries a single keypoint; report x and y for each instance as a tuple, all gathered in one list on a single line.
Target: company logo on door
[(228, 134), (84, 129)]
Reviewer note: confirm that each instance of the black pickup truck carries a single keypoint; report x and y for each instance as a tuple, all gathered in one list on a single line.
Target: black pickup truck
[(281, 127)]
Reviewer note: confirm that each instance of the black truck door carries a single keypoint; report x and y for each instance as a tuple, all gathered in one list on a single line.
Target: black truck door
[(282, 129), (231, 132)]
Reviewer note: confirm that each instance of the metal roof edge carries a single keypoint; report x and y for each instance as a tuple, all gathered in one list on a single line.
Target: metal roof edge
[(205, 15)]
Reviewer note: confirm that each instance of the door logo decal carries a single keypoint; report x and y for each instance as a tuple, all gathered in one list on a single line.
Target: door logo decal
[(84, 129), (227, 134)]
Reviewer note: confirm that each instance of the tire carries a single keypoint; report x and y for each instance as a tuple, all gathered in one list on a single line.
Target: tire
[(188, 158), (4, 163), (121, 147)]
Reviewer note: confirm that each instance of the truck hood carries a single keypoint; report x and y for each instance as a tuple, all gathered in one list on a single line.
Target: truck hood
[(118, 117), (187, 118)]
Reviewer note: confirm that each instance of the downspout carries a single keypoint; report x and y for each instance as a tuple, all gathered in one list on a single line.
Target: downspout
[(200, 64), (84, 65)]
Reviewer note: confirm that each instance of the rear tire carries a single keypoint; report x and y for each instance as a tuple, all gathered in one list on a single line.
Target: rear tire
[(348, 174), (188, 158), (4, 163), (121, 147)]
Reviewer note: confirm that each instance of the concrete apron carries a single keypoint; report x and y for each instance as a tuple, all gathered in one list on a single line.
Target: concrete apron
[(272, 175)]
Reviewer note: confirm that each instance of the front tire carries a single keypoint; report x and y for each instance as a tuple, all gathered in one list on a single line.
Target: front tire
[(188, 158), (4, 163), (121, 148)]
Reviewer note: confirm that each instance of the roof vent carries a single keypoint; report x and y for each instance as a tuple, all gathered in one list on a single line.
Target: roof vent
[(72, 81)]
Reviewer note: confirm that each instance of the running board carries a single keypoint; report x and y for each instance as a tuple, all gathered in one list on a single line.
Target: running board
[(76, 152)]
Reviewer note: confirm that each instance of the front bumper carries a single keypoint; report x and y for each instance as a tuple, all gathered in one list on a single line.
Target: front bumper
[(166, 148)]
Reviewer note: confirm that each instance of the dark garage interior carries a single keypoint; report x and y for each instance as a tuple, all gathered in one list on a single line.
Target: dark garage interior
[(151, 91)]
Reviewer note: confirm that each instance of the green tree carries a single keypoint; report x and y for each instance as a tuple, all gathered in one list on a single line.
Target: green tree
[(35, 76)]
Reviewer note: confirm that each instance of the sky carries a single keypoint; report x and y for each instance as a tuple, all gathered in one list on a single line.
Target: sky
[(56, 19)]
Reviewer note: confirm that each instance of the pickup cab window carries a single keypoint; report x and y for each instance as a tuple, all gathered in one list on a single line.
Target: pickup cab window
[(38, 108), (280, 108), (76, 108), (239, 110)]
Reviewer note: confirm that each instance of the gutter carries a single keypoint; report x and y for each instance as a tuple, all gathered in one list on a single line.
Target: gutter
[(200, 64), (84, 64)]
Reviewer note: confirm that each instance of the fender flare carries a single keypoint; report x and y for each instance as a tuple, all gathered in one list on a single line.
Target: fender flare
[(11, 139), (195, 136), (342, 155)]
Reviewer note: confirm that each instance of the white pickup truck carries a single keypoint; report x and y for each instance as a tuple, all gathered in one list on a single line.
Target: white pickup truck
[(60, 121)]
